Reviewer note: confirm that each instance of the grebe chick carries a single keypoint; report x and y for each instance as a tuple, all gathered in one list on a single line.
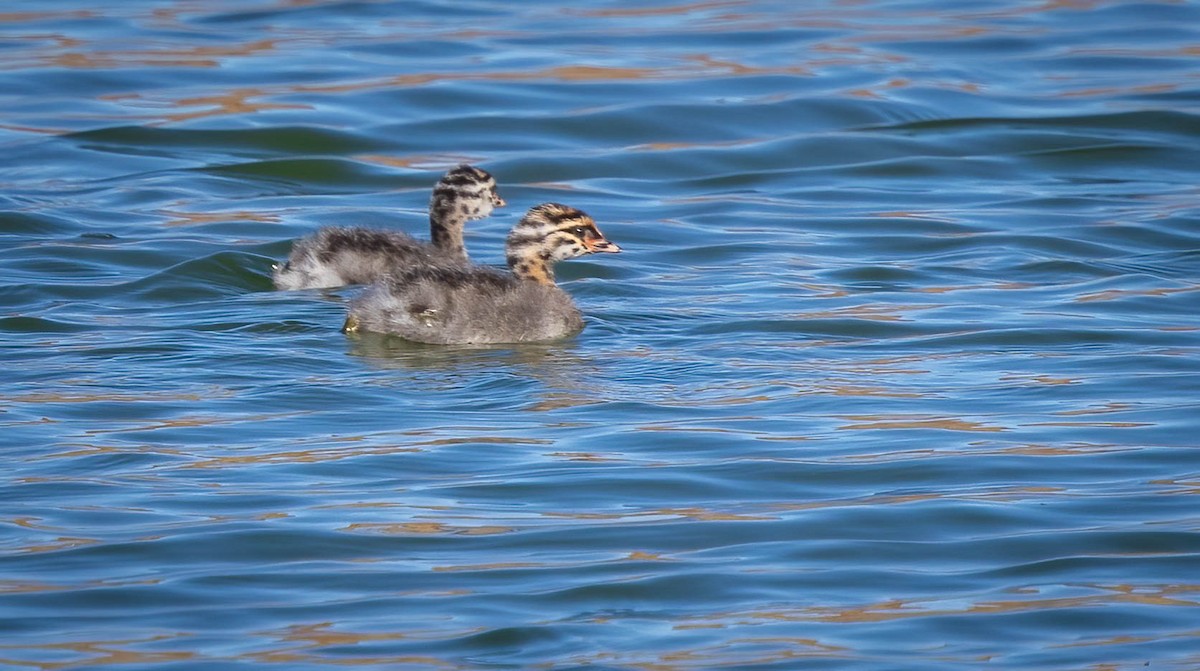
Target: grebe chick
[(335, 256), (474, 304)]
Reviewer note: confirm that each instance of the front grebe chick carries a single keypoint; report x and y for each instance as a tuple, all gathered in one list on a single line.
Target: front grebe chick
[(335, 256), (473, 304)]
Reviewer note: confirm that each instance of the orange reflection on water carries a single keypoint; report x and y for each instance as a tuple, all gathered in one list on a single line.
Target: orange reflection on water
[(101, 653), (1186, 486), (237, 101), (1064, 450), (114, 396), (1118, 91), (83, 450), (22, 587), (1109, 407), (1117, 294), (26, 17), (1179, 595), (981, 448), (692, 513), (592, 457), (572, 73), (306, 643), (439, 162), (1104, 425), (207, 56), (678, 145), (58, 544), (321, 633), (182, 218), (424, 528), (870, 311), (874, 422), (672, 10), (310, 456), (498, 566), (192, 422)]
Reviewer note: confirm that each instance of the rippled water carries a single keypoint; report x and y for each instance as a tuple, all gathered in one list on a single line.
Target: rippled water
[(899, 369)]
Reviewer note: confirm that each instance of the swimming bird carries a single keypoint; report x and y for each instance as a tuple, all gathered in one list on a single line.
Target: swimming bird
[(472, 304), (335, 256)]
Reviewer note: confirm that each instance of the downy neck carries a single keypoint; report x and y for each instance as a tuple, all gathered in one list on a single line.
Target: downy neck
[(446, 228)]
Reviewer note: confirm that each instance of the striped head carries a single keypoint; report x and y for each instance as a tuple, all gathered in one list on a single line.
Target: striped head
[(550, 233), (462, 194), (466, 192)]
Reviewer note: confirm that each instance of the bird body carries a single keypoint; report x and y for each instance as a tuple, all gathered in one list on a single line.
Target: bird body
[(448, 305), (336, 256), (457, 304)]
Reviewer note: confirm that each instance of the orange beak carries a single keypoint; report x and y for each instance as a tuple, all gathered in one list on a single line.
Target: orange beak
[(601, 245)]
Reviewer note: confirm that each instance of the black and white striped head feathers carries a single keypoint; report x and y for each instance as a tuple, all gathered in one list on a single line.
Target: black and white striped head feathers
[(550, 233), (461, 195)]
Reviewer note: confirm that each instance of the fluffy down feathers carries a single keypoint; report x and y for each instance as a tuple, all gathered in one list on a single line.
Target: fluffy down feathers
[(336, 256), (446, 305), (459, 304)]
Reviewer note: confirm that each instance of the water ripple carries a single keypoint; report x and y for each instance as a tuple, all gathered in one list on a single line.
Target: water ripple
[(898, 361)]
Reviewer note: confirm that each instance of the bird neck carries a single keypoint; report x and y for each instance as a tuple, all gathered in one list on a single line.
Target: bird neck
[(532, 267), (446, 228)]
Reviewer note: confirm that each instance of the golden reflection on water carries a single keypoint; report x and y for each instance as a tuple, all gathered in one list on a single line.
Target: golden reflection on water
[(678, 145), (424, 528), (994, 286), (70, 53), (497, 566), (36, 397), (695, 513), (670, 10), (102, 653), (306, 643), (860, 25), (1105, 425), (857, 390), (876, 422), (174, 57), (26, 17), (590, 457), (1118, 294), (192, 421), (322, 633), (184, 218), (235, 102), (345, 448), (869, 311), (438, 161), (992, 448), (310, 456), (568, 374), (18, 587), (59, 544), (750, 650), (84, 450), (1108, 407), (890, 610)]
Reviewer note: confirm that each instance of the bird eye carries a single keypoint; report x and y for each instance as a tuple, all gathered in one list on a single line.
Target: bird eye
[(579, 231)]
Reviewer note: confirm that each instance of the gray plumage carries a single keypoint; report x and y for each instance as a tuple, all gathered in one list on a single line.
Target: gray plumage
[(447, 305), (460, 304), (335, 256)]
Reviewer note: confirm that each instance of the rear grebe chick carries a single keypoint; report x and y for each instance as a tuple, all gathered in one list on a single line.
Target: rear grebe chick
[(459, 304), (335, 256)]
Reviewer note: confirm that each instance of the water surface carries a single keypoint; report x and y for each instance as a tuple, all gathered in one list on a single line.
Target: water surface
[(899, 368)]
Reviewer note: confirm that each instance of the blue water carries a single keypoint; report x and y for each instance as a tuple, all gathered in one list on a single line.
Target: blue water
[(899, 369)]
